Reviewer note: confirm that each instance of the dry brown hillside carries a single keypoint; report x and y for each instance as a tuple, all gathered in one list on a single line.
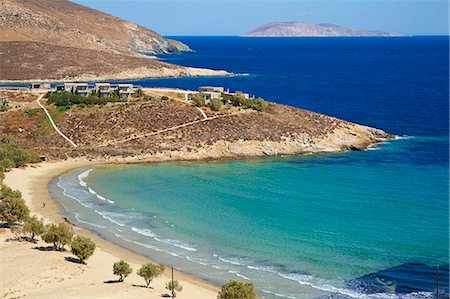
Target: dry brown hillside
[(64, 23), (165, 129)]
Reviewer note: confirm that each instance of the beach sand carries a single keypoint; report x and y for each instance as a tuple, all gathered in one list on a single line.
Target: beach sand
[(28, 270)]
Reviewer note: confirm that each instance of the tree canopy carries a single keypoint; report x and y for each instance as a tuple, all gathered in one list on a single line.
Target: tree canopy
[(82, 247), (237, 290), (123, 269), (150, 271)]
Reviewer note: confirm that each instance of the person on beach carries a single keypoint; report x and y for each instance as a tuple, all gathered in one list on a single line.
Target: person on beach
[(43, 204)]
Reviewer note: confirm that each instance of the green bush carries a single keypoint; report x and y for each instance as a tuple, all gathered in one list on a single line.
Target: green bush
[(198, 100), (82, 247), (165, 98), (32, 112), (66, 99), (150, 271), (4, 106), (122, 268), (237, 290), (215, 104), (174, 287), (139, 93), (12, 206), (11, 155)]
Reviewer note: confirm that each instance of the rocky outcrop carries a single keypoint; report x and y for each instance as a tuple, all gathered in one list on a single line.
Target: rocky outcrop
[(293, 29)]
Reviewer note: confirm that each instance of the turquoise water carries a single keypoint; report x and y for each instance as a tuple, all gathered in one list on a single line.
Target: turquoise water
[(369, 224), (299, 227)]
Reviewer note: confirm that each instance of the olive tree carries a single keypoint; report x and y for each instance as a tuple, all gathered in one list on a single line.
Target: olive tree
[(237, 290), (150, 271), (59, 235), (33, 227), (82, 248), (12, 206), (174, 287), (123, 269)]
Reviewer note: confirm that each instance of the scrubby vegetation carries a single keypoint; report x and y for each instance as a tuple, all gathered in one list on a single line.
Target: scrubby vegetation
[(198, 100), (215, 104), (67, 99), (150, 271), (174, 287), (237, 290), (12, 155), (123, 269), (4, 106), (82, 248), (239, 100)]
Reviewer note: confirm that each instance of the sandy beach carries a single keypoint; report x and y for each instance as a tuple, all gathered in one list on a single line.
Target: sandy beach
[(28, 270)]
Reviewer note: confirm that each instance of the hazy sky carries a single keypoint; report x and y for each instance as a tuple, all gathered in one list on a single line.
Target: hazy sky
[(218, 17)]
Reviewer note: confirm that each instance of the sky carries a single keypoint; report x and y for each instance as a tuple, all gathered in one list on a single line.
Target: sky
[(235, 17)]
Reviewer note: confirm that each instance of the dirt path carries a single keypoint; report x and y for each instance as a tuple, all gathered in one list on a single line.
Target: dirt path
[(52, 122)]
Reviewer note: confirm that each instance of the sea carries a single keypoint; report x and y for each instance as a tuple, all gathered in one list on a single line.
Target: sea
[(366, 224)]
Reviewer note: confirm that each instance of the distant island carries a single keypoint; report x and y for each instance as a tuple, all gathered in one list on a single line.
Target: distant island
[(297, 29)]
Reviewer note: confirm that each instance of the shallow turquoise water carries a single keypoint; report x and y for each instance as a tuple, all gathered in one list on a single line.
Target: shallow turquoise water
[(295, 226)]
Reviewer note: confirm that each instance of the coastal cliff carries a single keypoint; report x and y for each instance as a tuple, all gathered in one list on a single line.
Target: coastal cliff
[(294, 29), (159, 130)]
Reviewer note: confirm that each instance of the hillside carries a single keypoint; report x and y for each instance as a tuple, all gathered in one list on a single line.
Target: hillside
[(293, 29), (57, 40), (157, 129), (64, 23)]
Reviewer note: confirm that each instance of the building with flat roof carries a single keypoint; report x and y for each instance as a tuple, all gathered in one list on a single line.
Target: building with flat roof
[(40, 86), (125, 90), (211, 89), (103, 89)]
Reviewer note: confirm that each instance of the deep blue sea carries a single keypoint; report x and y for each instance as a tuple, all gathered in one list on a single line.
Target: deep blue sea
[(371, 224)]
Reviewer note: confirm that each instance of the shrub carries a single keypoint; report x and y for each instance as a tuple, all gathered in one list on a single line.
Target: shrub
[(32, 112), (82, 248), (150, 271), (58, 235), (139, 93), (198, 100), (11, 155), (215, 104), (237, 290), (12, 206), (165, 98), (174, 287), (33, 227), (122, 268), (4, 106)]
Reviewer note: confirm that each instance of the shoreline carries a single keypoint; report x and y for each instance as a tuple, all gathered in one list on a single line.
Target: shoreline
[(136, 75), (33, 183)]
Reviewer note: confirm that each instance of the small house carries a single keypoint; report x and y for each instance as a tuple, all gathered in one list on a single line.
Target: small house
[(40, 86)]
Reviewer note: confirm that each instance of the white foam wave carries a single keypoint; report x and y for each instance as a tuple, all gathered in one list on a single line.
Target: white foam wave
[(234, 261), (239, 274), (84, 175), (176, 243), (323, 285), (147, 246), (110, 217), (89, 223), (196, 260), (262, 268), (277, 294), (60, 185), (398, 137), (216, 267), (144, 231)]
